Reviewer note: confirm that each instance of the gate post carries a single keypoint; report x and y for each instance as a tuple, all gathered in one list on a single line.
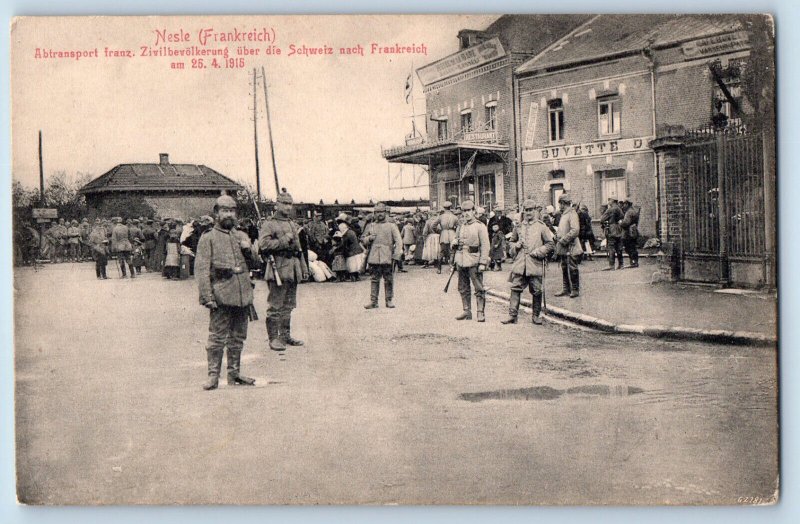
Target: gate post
[(722, 212), (768, 145), (668, 147)]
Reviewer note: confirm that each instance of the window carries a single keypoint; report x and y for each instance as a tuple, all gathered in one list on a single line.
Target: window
[(608, 116), (466, 121), (612, 185), (722, 104), (491, 116), (555, 122), (452, 191), (441, 129), (485, 196)]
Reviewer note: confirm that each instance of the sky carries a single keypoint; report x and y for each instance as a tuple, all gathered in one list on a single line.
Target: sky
[(330, 115)]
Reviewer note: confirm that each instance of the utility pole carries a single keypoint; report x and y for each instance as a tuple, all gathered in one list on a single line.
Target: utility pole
[(255, 136), (41, 195), (269, 128)]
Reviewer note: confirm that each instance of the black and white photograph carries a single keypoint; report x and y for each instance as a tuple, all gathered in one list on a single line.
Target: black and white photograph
[(510, 259)]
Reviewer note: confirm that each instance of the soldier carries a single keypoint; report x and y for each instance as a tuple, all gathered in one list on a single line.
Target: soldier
[(74, 241), (86, 248), (99, 242), (280, 247), (385, 246), (60, 235), (226, 290), (471, 245), (630, 231), (446, 224), (121, 245), (568, 247), (613, 232), (531, 244)]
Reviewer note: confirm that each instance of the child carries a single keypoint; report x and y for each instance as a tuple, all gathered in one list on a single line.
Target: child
[(497, 251), (137, 256)]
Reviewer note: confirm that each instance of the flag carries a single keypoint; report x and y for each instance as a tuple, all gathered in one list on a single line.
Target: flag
[(469, 165), (409, 86)]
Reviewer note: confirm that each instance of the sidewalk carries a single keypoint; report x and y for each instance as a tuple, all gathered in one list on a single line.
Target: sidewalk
[(626, 302)]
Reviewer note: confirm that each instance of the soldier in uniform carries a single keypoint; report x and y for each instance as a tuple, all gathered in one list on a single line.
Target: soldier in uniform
[(226, 290), (279, 245), (60, 235), (99, 242), (568, 247), (382, 239), (531, 244), (471, 245), (446, 224), (74, 241), (121, 245)]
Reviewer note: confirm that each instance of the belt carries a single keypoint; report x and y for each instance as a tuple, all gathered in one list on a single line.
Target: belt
[(471, 249), (286, 254)]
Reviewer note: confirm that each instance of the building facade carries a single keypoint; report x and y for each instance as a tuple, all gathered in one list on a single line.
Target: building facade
[(590, 106), (469, 144)]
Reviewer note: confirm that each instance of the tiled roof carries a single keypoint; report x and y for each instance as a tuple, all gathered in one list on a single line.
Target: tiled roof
[(533, 33), (160, 177), (618, 35)]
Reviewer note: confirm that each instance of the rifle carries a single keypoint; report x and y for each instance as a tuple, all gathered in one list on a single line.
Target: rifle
[(450, 278), (270, 258)]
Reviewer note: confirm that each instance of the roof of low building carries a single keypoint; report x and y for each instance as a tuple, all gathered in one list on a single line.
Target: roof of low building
[(533, 33), (618, 35), (160, 177)]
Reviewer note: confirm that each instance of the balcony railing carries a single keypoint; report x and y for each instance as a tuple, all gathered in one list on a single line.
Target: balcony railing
[(471, 135)]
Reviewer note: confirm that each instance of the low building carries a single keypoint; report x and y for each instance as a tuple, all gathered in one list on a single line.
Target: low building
[(469, 147), (170, 190)]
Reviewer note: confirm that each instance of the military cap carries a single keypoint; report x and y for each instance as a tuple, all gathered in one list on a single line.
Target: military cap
[(85, 220), (75, 222), (343, 218), (285, 198), (224, 201), (530, 203), (135, 220), (467, 205), (380, 207), (565, 198), (447, 204)]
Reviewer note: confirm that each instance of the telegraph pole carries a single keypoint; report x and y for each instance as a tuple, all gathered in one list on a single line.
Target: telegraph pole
[(41, 195), (255, 136), (269, 128)]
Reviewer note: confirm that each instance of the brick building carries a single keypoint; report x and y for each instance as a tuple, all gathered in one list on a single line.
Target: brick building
[(591, 103), (469, 147), (171, 190)]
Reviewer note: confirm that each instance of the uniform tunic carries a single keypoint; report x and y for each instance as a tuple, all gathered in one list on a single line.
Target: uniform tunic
[(473, 251), (222, 277), (385, 244), (279, 238)]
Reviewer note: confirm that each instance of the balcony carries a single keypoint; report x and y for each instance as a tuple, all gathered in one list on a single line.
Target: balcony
[(417, 149)]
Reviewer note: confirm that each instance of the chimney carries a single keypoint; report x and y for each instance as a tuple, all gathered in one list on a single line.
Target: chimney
[(163, 159)]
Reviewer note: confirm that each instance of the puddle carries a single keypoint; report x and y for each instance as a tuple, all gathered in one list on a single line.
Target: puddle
[(548, 393), (431, 338)]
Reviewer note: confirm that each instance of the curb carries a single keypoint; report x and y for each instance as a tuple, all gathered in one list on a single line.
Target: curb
[(719, 336)]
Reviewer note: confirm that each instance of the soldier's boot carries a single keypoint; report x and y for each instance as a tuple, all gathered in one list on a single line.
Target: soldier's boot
[(481, 305), (513, 308), (234, 364), (576, 283), (122, 268), (388, 290), (438, 264), (467, 313), (273, 331), (565, 287), (214, 365), (286, 333), (537, 309), (373, 295)]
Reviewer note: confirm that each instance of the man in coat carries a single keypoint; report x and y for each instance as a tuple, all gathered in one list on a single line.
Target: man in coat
[(471, 245), (121, 245), (531, 245), (568, 247), (280, 247), (446, 226), (385, 246), (149, 236), (612, 218), (74, 241), (99, 242), (225, 289), (318, 237), (630, 231)]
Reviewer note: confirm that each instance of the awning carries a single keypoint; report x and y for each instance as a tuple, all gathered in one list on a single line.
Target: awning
[(450, 152)]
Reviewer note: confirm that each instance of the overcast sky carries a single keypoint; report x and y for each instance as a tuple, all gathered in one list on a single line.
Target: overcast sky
[(330, 114)]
